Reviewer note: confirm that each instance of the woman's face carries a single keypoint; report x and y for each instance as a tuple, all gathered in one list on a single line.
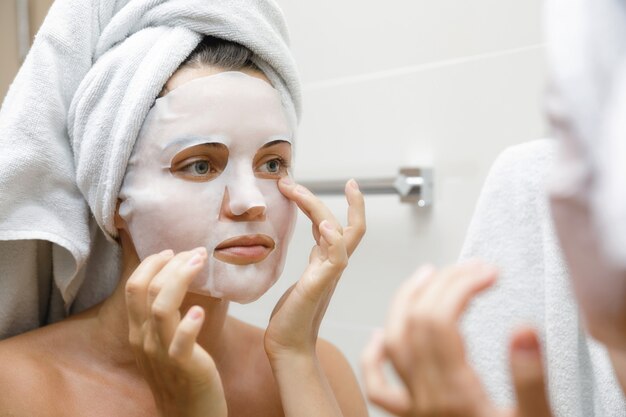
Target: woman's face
[(204, 172)]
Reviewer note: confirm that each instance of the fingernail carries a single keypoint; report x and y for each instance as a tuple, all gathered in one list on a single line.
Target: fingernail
[(287, 181), (195, 313), (200, 251), (326, 225), (354, 184), (167, 253), (196, 260), (528, 343), (488, 269)]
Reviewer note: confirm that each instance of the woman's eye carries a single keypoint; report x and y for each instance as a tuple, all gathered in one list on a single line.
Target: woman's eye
[(197, 168), (274, 166)]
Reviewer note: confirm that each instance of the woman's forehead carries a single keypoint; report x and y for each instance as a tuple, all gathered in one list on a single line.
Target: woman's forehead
[(186, 74), (231, 94), (228, 107)]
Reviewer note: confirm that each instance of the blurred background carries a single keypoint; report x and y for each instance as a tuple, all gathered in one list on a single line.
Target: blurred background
[(446, 84), (19, 21)]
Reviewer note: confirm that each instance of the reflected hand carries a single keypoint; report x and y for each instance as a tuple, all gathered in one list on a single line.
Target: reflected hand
[(295, 321), (425, 348), (182, 375)]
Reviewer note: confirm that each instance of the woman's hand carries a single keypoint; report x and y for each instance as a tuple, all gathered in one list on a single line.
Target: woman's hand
[(291, 335), (181, 374), (424, 346), (295, 321)]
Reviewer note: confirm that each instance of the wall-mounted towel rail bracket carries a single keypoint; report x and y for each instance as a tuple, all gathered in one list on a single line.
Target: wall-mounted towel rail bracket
[(413, 184)]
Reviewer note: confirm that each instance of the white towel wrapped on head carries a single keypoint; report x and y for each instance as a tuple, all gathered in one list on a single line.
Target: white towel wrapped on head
[(68, 125)]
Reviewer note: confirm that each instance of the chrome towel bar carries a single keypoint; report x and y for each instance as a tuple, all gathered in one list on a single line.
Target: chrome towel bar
[(414, 185)]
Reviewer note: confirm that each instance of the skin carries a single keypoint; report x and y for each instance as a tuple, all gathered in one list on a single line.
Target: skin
[(422, 342), (153, 349)]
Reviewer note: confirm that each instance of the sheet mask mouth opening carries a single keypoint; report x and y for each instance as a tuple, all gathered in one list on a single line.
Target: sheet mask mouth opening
[(244, 250)]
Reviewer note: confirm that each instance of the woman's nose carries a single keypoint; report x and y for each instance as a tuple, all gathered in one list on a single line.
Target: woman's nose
[(243, 201)]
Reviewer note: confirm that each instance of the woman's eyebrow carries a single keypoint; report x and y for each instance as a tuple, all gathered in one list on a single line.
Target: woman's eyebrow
[(192, 141), (275, 142)]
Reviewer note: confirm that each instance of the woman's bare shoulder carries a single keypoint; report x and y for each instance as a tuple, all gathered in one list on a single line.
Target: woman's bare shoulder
[(342, 379), (24, 350), (27, 377)]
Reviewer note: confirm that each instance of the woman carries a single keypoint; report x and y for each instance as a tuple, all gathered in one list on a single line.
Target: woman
[(154, 347)]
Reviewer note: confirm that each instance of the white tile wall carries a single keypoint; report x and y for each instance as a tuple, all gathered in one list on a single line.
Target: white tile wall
[(445, 83), (336, 38)]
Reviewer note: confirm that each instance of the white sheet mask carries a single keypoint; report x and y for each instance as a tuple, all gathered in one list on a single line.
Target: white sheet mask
[(203, 171)]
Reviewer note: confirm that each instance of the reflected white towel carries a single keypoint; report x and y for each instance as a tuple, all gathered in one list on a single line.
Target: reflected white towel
[(68, 125), (512, 228)]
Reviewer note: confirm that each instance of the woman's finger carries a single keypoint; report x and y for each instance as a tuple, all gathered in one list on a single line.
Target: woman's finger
[(335, 248), (136, 290), (440, 291), (185, 336), (310, 205), (174, 280), (163, 275), (394, 399), (405, 299), (315, 231), (528, 375), (355, 229), (321, 277), (462, 286), (435, 311)]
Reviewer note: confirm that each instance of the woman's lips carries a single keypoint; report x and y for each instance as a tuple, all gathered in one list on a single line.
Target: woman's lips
[(244, 250)]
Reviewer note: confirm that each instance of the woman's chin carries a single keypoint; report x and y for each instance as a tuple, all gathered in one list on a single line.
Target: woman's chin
[(237, 295)]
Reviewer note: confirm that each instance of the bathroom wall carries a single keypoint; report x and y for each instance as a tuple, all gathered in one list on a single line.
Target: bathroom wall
[(9, 63), (447, 84), (10, 60)]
